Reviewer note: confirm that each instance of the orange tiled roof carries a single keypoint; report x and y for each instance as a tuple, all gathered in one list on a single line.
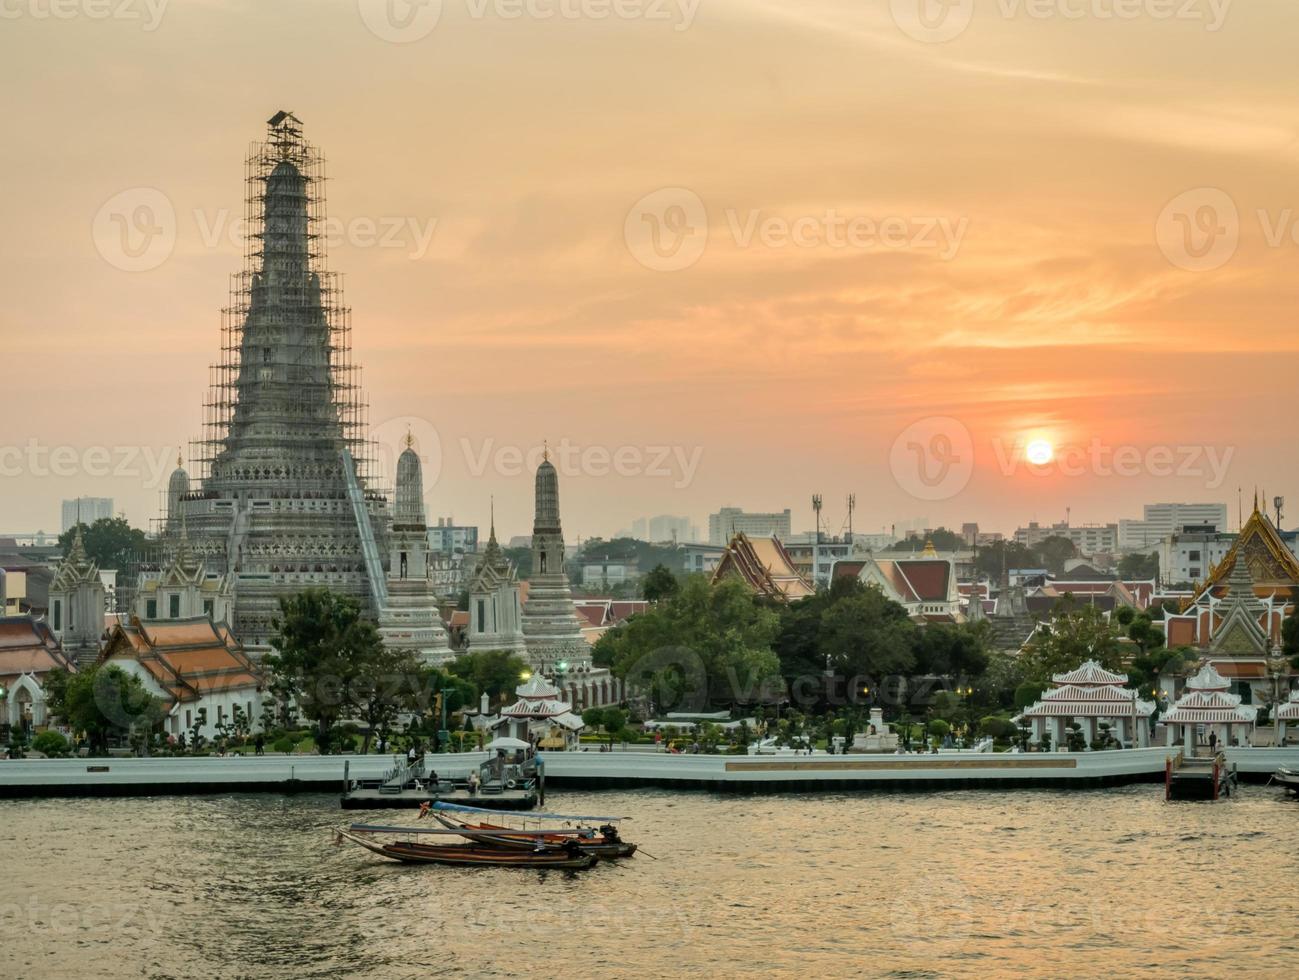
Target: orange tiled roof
[(187, 658)]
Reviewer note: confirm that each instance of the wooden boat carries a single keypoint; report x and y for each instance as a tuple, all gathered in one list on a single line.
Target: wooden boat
[(602, 841), (1287, 778), (566, 858)]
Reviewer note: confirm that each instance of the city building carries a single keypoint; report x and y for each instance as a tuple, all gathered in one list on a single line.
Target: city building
[(1089, 539), (450, 538), (814, 555), (730, 521), (87, 510), (1161, 520), (701, 559), (550, 624), (606, 571), (195, 667), (1187, 554), (765, 567)]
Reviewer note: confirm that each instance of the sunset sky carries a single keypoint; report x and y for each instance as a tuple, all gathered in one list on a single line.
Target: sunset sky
[(1022, 233)]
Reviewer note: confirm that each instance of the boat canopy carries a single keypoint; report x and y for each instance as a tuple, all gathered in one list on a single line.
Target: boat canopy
[(524, 816), (375, 828)]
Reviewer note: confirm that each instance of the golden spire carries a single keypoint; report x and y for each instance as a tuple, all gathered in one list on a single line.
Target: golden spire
[(545, 450), (180, 460), (410, 439)]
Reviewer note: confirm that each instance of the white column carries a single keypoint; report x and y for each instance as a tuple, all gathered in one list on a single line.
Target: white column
[(1170, 735), (1037, 729), (1280, 731), (1058, 724)]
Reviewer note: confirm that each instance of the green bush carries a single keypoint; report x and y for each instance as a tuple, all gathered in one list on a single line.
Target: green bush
[(285, 745), (939, 728), (51, 744)]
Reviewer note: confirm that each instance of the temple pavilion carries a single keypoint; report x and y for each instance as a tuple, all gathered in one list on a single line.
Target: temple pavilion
[(1287, 712), (1208, 706), (1090, 695), (540, 717)]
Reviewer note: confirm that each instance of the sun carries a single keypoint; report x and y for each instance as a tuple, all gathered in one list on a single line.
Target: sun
[(1040, 452)]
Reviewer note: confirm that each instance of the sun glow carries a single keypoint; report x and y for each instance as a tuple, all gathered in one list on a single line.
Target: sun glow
[(1039, 452)]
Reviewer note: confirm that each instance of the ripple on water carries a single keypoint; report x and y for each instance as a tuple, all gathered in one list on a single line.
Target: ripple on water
[(906, 885)]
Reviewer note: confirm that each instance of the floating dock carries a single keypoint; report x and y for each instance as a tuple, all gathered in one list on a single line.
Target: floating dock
[(1199, 777)]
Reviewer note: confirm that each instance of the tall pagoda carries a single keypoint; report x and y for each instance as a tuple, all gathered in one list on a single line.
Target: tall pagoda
[(283, 500), (551, 628)]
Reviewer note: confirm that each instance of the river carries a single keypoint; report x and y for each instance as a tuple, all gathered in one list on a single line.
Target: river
[(970, 883)]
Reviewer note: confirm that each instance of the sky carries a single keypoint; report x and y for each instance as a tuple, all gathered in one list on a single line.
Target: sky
[(725, 252)]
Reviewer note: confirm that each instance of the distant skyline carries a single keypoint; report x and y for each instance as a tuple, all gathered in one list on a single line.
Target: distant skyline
[(752, 253)]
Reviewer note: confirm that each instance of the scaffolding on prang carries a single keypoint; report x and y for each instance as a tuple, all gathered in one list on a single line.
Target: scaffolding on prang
[(285, 369)]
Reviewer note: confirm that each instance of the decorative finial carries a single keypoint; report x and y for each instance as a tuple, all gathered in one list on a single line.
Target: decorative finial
[(410, 439), (545, 450)]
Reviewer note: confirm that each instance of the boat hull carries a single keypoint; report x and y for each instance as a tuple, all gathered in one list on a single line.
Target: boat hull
[(409, 852)]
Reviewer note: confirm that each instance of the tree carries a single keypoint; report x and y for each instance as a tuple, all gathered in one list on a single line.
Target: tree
[(1005, 555), (496, 672), (706, 643), (51, 744), (868, 635), (104, 701), (959, 650), (386, 684), (1137, 567), (1075, 634), (1055, 551), (110, 542), (1290, 637), (659, 584), (942, 539), (322, 645), (1144, 633)]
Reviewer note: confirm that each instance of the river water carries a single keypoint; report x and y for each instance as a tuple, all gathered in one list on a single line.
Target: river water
[(968, 883)]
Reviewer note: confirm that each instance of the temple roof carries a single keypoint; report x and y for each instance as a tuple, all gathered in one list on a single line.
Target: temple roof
[(1272, 566), (537, 688), (28, 646), (765, 566), (1289, 711), (916, 579), (187, 658), (1090, 673)]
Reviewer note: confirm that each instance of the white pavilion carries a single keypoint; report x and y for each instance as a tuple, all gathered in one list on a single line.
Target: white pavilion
[(1208, 706), (540, 717), (1284, 713), (1090, 695)]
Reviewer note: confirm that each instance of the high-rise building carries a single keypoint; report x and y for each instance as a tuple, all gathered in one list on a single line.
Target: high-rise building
[(1089, 539), (283, 500), (666, 527), (1161, 520), (90, 509), (730, 521)]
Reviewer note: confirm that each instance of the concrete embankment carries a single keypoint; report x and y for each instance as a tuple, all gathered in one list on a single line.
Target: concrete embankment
[(621, 770)]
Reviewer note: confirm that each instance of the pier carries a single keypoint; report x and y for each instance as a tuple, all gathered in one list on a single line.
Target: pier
[(31, 778)]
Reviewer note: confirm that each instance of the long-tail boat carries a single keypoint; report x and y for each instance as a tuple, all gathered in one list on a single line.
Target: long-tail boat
[(542, 855), (601, 840)]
